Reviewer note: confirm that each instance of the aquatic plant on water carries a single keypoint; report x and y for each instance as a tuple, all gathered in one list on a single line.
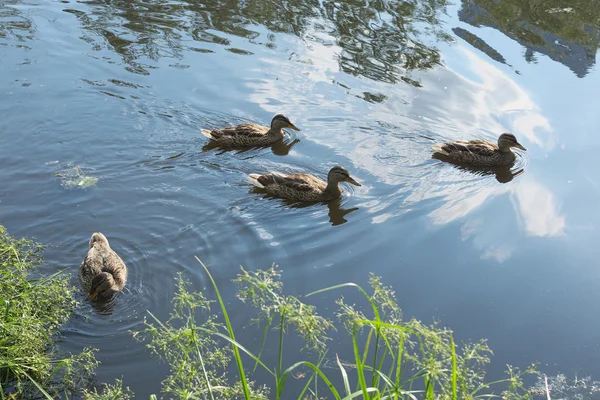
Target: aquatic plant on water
[(33, 308), (391, 358), (74, 177)]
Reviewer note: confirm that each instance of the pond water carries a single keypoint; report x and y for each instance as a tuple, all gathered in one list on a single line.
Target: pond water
[(118, 90)]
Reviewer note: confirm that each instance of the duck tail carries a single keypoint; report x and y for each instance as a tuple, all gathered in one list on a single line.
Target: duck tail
[(206, 133), (253, 178), (439, 149)]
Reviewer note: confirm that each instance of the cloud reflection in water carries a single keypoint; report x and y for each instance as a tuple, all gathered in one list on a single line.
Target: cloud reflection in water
[(392, 140)]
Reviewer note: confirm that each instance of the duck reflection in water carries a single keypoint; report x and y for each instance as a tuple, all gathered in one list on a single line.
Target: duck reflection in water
[(279, 148), (104, 306), (502, 174), (337, 213)]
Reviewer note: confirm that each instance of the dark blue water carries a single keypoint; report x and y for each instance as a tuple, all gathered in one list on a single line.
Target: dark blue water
[(121, 89)]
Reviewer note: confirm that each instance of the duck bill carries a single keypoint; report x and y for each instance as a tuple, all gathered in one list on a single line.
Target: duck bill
[(352, 181), (294, 127), (518, 146), (91, 296)]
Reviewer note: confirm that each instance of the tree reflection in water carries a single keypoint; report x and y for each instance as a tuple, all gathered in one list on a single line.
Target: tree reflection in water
[(566, 32), (380, 40)]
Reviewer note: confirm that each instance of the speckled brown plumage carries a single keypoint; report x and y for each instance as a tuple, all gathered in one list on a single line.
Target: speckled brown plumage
[(304, 187), (481, 152), (250, 134), (101, 258)]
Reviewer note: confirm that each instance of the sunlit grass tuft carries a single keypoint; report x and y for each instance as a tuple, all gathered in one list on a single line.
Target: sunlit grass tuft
[(32, 309), (390, 358), (387, 358), (115, 391)]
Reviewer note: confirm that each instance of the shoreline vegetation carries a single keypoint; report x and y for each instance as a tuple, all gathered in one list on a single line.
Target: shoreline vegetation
[(389, 358), (32, 311)]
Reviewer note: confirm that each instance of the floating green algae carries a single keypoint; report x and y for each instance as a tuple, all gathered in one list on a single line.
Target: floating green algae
[(74, 177)]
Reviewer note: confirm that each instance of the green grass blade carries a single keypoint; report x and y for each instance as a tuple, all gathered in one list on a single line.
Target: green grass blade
[(380, 324), (404, 393), (365, 353), (208, 385), (429, 390), (374, 377), (157, 320), (384, 377), (380, 367), (350, 284), (367, 345), (388, 349), (415, 377), (399, 363), (264, 339), (314, 374), (238, 357), (280, 383), (55, 370), (344, 375), (359, 365), (242, 348), (359, 393), (454, 372), (317, 370), (40, 388), (341, 285)]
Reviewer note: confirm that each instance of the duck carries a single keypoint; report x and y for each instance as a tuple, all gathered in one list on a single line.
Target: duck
[(102, 273), (304, 187), (251, 134), (480, 153)]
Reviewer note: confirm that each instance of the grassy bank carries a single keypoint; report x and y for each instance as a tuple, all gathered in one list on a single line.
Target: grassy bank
[(32, 310), (388, 357)]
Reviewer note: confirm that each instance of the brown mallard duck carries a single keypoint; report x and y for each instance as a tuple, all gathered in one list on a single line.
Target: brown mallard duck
[(481, 152), (304, 187), (102, 272), (251, 134)]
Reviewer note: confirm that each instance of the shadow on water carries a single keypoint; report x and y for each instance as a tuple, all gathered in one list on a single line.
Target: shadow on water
[(379, 40), (280, 148), (336, 213), (566, 32), (105, 306), (502, 174)]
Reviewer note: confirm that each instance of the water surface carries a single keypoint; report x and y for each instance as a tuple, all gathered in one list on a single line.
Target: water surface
[(121, 89)]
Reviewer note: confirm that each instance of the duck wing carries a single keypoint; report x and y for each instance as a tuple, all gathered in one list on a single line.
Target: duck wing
[(477, 147), (297, 182), (246, 130), (114, 265), (100, 259), (91, 265)]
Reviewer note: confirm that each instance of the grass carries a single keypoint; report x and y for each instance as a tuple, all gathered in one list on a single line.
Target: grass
[(392, 358), (33, 308), (109, 392)]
